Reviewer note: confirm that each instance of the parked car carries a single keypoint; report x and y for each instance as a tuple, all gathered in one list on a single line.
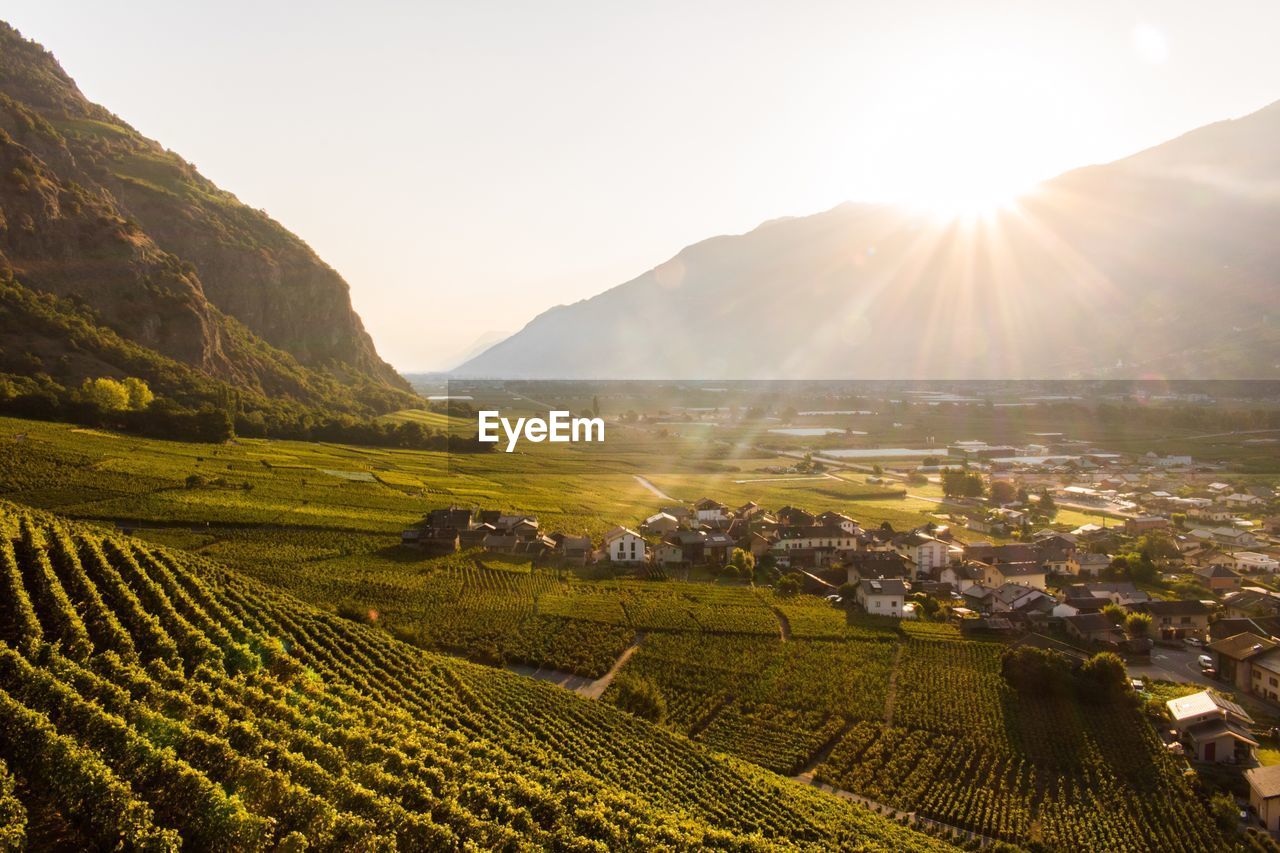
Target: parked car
[(1206, 662), (1194, 642)]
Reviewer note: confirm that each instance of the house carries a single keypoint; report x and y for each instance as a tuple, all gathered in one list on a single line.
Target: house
[(1218, 578), (692, 545), (441, 540), (1093, 628), (624, 545), (576, 549), (668, 553), (882, 597), (748, 510), (1264, 795), (1229, 626), (758, 544), (1016, 598), (1252, 601), (535, 548), (1177, 620), (1144, 524), (867, 565), (838, 519), (961, 575), (1026, 574), (660, 524), (682, 514), (1211, 728), (922, 550), (459, 519), (1246, 661), (1073, 606), (717, 548), (790, 516), (978, 597), (1240, 500), (1090, 565), (1253, 562), (1124, 593), (500, 543), (834, 538), (710, 511)]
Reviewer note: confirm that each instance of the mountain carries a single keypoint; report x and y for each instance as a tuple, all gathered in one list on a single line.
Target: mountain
[(1164, 263), (152, 700), (131, 236)]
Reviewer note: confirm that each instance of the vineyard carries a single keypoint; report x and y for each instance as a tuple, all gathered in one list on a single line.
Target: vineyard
[(151, 700), (965, 749)]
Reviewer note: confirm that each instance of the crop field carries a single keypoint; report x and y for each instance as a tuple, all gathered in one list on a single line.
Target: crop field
[(152, 700)]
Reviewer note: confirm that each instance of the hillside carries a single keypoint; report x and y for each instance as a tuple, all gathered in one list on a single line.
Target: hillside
[(152, 699), (94, 213), (1163, 263)]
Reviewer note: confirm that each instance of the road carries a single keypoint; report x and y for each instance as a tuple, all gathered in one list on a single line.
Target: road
[(651, 487), (1174, 665)]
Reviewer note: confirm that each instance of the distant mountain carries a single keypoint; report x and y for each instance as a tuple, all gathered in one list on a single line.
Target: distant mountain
[(1165, 263), (144, 251)]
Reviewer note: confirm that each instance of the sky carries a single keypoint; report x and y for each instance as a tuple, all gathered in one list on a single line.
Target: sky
[(467, 165)]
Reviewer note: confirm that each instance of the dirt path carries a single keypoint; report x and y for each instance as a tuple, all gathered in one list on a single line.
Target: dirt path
[(651, 487), (588, 688), (595, 689), (784, 624), (806, 775)]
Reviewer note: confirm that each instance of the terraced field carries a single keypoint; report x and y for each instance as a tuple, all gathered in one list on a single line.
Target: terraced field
[(152, 700)]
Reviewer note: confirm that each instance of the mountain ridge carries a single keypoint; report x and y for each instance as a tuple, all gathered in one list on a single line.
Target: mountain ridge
[(93, 211), (1141, 239)]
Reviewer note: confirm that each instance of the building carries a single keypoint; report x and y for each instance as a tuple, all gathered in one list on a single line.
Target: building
[(710, 511), (1090, 565), (660, 524), (923, 551), (1251, 562), (1218, 578), (1264, 795), (869, 565), (1211, 728), (1177, 620), (838, 519), (624, 545), (1250, 662), (882, 597), (1025, 574), (1093, 628), (1144, 523)]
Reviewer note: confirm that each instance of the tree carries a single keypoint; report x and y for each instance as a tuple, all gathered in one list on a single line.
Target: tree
[(1115, 613), (788, 585), (1225, 813), (1047, 506), (107, 394), (1137, 625), (595, 406), (847, 593), (1003, 492), (1035, 671), (1103, 677), (744, 562), (641, 697), (140, 395)]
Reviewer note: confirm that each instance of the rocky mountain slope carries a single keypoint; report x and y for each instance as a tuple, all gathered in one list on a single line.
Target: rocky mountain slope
[(92, 211), (1164, 263)]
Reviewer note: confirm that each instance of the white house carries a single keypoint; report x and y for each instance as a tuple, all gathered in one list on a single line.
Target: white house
[(883, 597), (625, 546), (1252, 561), (924, 551), (711, 511), (661, 523), (1212, 728)]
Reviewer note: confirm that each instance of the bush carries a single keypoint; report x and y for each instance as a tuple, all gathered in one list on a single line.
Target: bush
[(641, 697)]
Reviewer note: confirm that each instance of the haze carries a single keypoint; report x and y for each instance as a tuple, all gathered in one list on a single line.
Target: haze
[(465, 166)]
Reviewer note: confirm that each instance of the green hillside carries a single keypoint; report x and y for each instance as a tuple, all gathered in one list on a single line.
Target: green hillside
[(151, 699)]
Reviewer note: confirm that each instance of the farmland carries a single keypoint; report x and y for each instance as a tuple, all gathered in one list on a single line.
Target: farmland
[(151, 699)]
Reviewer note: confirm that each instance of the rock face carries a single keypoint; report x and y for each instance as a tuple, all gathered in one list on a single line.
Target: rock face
[(90, 209), (1165, 263)]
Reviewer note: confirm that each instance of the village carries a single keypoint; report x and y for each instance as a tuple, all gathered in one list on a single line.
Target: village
[(1183, 585)]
